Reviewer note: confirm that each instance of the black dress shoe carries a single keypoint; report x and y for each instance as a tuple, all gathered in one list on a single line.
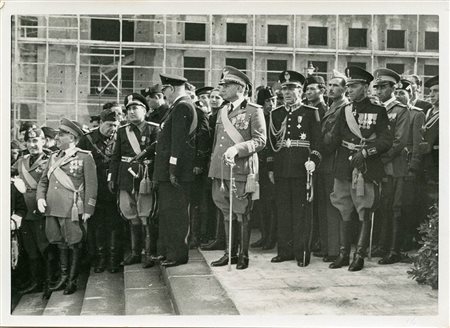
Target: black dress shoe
[(330, 258), (170, 263), (304, 262), (280, 258), (257, 244), (357, 264), (224, 260), (391, 258), (242, 262)]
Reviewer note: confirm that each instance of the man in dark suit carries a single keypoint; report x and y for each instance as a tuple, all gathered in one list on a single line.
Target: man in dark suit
[(174, 165), (361, 135), (156, 103)]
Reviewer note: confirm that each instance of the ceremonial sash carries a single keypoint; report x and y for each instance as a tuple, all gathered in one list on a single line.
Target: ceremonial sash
[(32, 183), (133, 140), (67, 183), (61, 161), (431, 120)]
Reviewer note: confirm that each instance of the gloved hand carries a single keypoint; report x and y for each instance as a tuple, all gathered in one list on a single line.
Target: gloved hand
[(85, 217), (358, 160), (229, 155), (42, 204), (271, 177), (172, 176), (310, 166)]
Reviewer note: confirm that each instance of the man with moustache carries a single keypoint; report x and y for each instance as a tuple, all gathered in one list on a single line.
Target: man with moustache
[(240, 133), (131, 178), (174, 170), (329, 216), (104, 228), (295, 141), (361, 134), (40, 254), (394, 166)]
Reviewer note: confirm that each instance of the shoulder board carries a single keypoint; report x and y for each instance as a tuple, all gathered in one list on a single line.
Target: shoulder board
[(375, 101), (125, 125), (253, 105), (309, 107), (401, 105), (84, 151), (152, 123), (93, 129), (418, 109)]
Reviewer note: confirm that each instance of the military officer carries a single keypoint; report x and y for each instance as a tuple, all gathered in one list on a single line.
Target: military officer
[(157, 104), (36, 245), (174, 170), (361, 134), (395, 166), (294, 138), (412, 200), (106, 224), (131, 168), (329, 216), (50, 134), (431, 137), (265, 206), (67, 194), (239, 134)]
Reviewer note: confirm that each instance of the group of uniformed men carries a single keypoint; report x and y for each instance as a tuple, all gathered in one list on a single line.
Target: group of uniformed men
[(172, 169)]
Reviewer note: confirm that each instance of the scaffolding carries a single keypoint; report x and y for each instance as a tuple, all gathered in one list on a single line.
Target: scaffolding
[(69, 65)]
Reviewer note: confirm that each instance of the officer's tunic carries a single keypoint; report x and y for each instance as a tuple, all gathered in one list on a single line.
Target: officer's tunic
[(373, 122), (123, 153), (33, 226), (248, 119), (177, 146), (80, 168), (300, 141), (106, 213)]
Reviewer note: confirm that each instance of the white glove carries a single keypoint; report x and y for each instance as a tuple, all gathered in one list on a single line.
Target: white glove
[(18, 220), (85, 217), (229, 154), (42, 204), (271, 177), (310, 166)]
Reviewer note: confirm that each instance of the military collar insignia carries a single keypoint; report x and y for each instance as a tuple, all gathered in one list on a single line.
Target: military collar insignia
[(287, 76)]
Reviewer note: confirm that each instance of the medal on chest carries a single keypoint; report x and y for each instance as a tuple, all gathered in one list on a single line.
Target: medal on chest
[(299, 120)]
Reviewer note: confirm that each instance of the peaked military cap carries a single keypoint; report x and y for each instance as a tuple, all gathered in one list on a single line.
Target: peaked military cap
[(231, 74), (356, 74), (110, 114), (156, 88), (71, 127), (33, 132), (136, 99), (291, 78), (432, 81), (49, 132), (314, 79), (172, 80), (385, 75), (264, 94), (404, 85), (204, 90)]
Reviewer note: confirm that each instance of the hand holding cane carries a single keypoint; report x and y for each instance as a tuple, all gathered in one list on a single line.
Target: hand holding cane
[(231, 214), (309, 199)]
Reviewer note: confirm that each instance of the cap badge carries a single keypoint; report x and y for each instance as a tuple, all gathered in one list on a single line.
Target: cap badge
[(225, 73), (287, 76), (130, 98), (347, 72), (147, 90), (32, 134)]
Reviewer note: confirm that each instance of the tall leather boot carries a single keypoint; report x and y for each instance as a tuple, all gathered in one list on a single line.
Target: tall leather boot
[(35, 285), (100, 250), (219, 241), (114, 252), (344, 249), (363, 241), (394, 253), (48, 277), (136, 248), (224, 259), (71, 286), (244, 243), (194, 234), (64, 270), (148, 260)]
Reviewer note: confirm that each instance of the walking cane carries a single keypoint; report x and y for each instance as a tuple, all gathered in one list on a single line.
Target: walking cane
[(371, 234), (231, 215), (309, 199)]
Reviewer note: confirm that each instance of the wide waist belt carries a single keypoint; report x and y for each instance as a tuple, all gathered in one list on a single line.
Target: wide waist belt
[(293, 143), (351, 145), (126, 159)]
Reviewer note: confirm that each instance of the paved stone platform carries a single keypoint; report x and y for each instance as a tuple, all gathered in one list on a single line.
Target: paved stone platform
[(284, 288)]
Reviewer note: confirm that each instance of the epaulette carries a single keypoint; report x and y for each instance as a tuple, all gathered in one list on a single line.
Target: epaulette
[(309, 107), (254, 105), (122, 126), (93, 129), (152, 123), (417, 108), (398, 103), (84, 151)]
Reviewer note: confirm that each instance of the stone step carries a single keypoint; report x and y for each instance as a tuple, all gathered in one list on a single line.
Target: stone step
[(194, 289), (104, 294), (145, 291), (60, 304), (30, 304)]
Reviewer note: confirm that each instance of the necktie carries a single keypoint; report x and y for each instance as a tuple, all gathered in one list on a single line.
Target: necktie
[(230, 109)]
